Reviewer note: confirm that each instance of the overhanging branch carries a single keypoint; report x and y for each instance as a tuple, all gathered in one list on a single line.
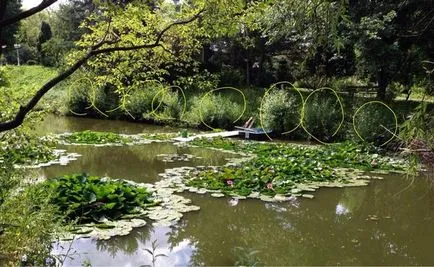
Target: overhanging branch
[(94, 50), (43, 5)]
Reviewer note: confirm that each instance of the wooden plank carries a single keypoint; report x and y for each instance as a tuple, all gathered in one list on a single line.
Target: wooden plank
[(210, 135)]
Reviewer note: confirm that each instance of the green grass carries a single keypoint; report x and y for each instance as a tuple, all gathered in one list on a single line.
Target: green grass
[(24, 81)]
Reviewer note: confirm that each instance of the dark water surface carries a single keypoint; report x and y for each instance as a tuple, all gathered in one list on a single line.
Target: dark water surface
[(388, 222)]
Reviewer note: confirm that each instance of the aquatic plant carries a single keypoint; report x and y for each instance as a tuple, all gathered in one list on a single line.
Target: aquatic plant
[(158, 136), (153, 253), (93, 199), (283, 169), (107, 138), (246, 256), (23, 149), (91, 137)]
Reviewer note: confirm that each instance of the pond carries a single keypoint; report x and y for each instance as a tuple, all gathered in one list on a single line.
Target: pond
[(388, 222)]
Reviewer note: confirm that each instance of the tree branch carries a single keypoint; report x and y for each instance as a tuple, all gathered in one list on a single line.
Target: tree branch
[(94, 50), (43, 5), (156, 42), (24, 110)]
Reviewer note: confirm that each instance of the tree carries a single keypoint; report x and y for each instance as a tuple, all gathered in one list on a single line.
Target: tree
[(106, 42), (7, 34), (45, 34), (394, 37), (69, 17)]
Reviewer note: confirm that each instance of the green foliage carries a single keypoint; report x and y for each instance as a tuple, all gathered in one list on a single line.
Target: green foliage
[(23, 82), (28, 222), (215, 110), (231, 77), (20, 148), (3, 77), (31, 223), (45, 34), (90, 199), (201, 82), (279, 168), (53, 51), (7, 36), (91, 137), (322, 116), (375, 123), (246, 256), (281, 111), (139, 101), (167, 106), (153, 252), (420, 125), (159, 136)]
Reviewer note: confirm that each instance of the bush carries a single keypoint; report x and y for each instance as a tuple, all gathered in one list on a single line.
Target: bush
[(154, 102), (171, 106), (83, 97), (78, 100), (217, 111), (140, 99), (322, 115), (281, 111), (370, 121)]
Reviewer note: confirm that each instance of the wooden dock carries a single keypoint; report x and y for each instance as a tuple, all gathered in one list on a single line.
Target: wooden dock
[(209, 135)]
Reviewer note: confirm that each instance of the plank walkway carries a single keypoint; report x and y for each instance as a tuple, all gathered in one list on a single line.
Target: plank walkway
[(210, 135)]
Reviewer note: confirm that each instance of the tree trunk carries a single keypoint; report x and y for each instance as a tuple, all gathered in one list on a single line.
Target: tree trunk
[(382, 85)]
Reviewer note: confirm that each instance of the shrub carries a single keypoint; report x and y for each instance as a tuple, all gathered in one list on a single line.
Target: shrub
[(281, 111), (370, 121), (322, 116), (78, 100), (83, 97), (216, 110), (140, 99)]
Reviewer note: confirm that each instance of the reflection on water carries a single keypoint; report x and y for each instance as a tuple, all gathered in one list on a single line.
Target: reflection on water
[(388, 222), (138, 163), (57, 124), (333, 228), (128, 251)]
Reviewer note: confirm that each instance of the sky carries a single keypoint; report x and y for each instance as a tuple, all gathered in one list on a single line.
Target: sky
[(31, 3)]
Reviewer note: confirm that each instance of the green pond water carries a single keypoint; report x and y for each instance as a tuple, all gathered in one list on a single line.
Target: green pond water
[(388, 222)]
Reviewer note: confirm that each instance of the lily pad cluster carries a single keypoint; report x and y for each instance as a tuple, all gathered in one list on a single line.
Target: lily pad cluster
[(159, 136), (27, 153), (104, 207), (280, 171), (110, 139), (85, 199), (35, 154), (91, 137), (176, 157), (60, 157)]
